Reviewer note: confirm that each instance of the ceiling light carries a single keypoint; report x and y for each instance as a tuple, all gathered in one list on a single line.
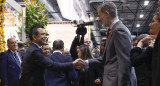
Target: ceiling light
[(138, 25), (146, 2), (141, 15)]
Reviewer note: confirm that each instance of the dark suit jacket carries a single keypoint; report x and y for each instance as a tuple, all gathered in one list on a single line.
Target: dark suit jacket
[(58, 78), (141, 60), (33, 66), (9, 69), (87, 77), (22, 52), (156, 62), (116, 58)]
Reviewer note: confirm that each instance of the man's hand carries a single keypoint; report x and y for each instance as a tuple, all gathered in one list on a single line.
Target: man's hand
[(97, 81), (79, 63)]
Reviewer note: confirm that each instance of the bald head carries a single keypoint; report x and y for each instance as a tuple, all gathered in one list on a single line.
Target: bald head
[(12, 44)]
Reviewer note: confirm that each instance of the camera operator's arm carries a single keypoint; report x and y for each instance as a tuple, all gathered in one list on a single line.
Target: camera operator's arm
[(73, 49), (78, 40)]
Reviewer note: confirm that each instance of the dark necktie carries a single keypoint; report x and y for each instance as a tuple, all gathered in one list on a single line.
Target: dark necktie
[(41, 50), (108, 33), (17, 60)]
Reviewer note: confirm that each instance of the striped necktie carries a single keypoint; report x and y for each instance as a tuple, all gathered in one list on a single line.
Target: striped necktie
[(17, 59)]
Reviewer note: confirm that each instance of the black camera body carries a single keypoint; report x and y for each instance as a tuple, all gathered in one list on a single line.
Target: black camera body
[(81, 30)]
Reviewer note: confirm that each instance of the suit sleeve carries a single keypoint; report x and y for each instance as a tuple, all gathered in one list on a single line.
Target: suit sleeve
[(73, 49), (138, 57), (97, 61), (122, 43), (40, 59), (72, 74), (3, 68)]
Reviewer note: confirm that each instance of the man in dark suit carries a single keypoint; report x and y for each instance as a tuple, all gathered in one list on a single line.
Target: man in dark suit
[(58, 78), (116, 58), (21, 48), (35, 61), (10, 61)]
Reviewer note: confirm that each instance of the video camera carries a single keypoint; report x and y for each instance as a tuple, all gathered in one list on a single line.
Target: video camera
[(81, 29)]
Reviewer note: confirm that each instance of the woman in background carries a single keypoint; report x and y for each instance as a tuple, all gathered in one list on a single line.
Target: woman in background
[(91, 76), (152, 53)]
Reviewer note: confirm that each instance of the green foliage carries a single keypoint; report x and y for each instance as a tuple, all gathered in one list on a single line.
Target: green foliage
[(35, 14), (19, 16), (20, 29)]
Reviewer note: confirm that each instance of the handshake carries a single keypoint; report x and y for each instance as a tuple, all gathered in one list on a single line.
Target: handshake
[(79, 63)]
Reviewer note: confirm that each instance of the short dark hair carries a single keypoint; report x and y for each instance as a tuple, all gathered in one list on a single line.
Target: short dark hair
[(34, 31), (135, 38), (58, 44), (20, 44), (44, 45)]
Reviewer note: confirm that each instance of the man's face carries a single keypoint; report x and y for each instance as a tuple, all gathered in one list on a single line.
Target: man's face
[(135, 43), (88, 42), (102, 18), (158, 9), (46, 50), (41, 37), (12, 44)]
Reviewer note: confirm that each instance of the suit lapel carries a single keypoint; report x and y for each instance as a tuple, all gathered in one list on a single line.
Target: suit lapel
[(12, 57), (110, 35)]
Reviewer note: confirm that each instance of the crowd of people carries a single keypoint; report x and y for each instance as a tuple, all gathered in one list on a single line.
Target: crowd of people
[(120, 61)]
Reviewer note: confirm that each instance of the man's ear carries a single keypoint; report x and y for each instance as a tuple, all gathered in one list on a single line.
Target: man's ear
[(52, 48), (107, 13), (34, 37), (62, 49)]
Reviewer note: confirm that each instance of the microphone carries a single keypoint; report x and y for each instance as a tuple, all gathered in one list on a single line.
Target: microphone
[(88, 23), (81, 22)]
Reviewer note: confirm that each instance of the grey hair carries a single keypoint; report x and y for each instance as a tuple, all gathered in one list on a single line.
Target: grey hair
[(109, 7)]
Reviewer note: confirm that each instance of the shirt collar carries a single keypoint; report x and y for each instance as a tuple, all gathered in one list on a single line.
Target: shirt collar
[(13, 51), (37, 45), (57, 51), (113, 23)]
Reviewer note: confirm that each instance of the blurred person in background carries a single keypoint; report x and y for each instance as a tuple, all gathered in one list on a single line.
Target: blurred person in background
[(135, 41), (66, 51), (96, 52), (152, 53), (10, 64), (59, 78), (91, 76), (143, 69), (46, 49), (21, 48), (76, 43)]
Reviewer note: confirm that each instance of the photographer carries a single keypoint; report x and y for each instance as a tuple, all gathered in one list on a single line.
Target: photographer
[(92, 77), (79, 40)]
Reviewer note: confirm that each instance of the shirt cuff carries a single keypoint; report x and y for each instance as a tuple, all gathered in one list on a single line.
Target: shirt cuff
[(140, 44), (152, 43), (87, 64)]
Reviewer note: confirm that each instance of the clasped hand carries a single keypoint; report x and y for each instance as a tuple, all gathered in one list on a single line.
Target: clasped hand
[(79, 63)]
